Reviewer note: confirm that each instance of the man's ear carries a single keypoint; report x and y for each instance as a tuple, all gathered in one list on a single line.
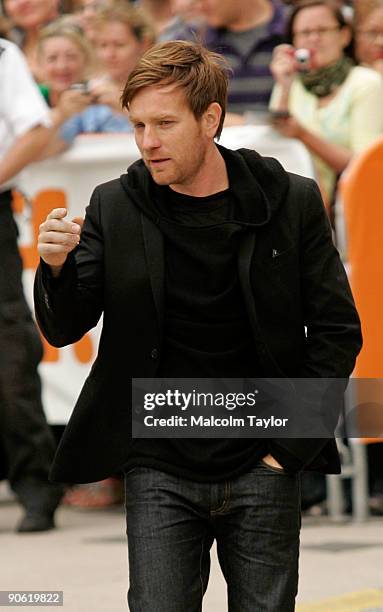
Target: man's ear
[(211, 118)]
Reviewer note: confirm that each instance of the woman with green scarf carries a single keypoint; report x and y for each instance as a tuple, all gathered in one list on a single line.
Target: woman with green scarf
[(320, 97)]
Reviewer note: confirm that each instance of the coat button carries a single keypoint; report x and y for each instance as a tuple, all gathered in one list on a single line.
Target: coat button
[(154, 354)]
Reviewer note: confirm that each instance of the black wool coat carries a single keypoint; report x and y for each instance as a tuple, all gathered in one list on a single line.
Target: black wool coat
[(118, 271)]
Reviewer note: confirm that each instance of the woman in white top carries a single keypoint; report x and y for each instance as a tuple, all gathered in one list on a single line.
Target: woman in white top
[(332, 106)]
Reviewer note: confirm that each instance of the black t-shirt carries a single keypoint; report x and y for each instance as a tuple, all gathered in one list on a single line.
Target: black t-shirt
[(206, 330)]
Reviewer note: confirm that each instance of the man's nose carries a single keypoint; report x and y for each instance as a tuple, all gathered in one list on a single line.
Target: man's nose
[(150, 138)]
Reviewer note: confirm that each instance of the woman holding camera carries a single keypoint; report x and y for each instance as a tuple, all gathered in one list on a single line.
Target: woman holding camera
[(320, 97)]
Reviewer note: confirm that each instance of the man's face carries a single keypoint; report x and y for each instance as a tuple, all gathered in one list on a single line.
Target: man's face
[(172, 142), (219, 13)]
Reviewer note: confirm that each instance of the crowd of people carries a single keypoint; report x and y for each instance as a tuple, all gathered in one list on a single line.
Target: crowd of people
[(81, 53), (312, 69)]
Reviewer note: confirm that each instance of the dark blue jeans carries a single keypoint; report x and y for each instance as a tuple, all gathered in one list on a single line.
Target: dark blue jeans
[(172, 523)]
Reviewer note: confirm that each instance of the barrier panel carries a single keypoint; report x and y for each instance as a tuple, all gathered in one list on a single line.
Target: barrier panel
[(68, 181)]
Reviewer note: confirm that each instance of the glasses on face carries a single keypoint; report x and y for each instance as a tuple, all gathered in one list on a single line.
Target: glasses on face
[(372, 35), (321, 32)]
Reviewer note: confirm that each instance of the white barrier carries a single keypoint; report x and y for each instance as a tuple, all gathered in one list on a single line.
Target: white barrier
[(68, 180)]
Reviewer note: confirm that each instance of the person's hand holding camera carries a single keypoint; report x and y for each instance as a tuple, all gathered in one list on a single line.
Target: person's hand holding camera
[(106, 92), (283, 65), (72, 102)]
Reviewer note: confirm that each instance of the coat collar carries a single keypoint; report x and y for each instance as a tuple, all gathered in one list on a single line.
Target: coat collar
[(259, 186)]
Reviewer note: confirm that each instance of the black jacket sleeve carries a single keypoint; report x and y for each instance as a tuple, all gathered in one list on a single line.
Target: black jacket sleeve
[(333, 338), (68, 306)]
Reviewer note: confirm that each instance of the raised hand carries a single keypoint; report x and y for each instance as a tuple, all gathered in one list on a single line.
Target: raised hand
[(283, 65), (58, 237)]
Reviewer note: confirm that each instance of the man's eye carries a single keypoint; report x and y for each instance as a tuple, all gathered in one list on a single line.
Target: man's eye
[(138, 126), (166, 122)]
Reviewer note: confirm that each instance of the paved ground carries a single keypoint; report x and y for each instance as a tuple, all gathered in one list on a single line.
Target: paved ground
[(341, 565)]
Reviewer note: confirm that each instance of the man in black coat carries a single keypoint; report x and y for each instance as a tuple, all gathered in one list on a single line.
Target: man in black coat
[(205, 263)]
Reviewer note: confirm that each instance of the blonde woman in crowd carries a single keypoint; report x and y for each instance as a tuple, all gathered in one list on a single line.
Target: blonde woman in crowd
[(66, 60), (332, 106), (122, 34), (369, 34), (27, 17)]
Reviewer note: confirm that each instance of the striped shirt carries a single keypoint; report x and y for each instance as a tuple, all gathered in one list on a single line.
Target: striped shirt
[(249, 55)]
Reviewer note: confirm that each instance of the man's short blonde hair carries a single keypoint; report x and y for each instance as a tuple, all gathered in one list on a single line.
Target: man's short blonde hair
[(202, 74)]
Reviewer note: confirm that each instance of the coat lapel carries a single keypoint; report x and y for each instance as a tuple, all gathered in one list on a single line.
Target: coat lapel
[(154, 248)]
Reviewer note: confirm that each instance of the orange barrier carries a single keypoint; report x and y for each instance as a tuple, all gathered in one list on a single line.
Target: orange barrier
[(362, 195)]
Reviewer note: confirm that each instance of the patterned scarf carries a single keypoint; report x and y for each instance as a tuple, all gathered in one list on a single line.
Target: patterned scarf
[(324, 81)]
